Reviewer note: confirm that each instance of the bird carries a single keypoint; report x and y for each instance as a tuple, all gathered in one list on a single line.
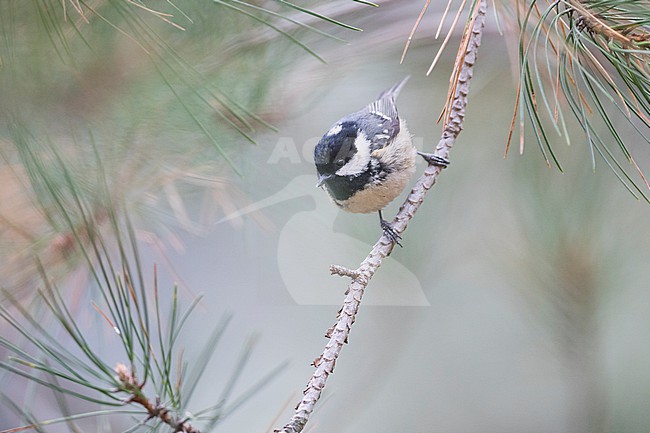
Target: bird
[(365, 159)]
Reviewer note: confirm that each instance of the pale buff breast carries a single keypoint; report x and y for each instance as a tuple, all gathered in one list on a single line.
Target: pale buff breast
[(400, 155), (377, 197)]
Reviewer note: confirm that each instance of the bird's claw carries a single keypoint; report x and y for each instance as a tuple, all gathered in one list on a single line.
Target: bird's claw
[(390, 232), (434, 159)]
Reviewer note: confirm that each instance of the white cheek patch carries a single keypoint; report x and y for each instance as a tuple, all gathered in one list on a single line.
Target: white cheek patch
[(334, 130), (359, 162)]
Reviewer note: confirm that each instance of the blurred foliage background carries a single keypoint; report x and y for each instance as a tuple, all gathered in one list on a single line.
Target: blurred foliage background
[(527, 307)]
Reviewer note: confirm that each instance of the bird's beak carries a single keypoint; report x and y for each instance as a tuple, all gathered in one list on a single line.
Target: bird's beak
[(322, 179)]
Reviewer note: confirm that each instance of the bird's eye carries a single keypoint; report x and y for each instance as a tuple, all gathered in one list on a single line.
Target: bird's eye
[(340, 162)]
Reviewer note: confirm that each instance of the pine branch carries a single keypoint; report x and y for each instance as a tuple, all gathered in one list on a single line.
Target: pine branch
[(630, 35), (131, 385), (586, 60), (338, 334)]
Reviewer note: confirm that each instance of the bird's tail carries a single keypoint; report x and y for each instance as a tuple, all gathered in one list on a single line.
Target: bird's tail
[(393, 91)]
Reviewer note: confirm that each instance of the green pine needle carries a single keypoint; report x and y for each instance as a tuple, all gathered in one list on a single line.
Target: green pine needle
[(590, 57)]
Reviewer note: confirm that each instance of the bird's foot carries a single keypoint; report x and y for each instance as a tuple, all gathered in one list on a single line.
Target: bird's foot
[(390, 232), (434, 159)]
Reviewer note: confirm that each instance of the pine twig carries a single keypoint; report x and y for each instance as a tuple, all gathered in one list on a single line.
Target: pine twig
[(338, 334), (132, 386), (629, 37)]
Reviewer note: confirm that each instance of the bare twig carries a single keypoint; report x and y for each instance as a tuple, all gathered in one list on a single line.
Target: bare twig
[(338, 334), (343, 271)]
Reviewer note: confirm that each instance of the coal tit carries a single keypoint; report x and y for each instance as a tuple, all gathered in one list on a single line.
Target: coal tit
[(366, 159)]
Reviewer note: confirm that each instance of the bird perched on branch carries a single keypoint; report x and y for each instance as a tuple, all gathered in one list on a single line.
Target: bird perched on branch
[(366, 159)]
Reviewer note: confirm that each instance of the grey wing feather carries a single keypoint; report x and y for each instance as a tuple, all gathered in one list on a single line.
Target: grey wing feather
[(384, 106), (384, 125)]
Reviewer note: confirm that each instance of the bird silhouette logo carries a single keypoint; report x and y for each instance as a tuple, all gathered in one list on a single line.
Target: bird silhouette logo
[(308, 245)]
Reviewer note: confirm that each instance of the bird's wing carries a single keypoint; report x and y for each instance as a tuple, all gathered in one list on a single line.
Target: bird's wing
[(383, 123), (380, 130)]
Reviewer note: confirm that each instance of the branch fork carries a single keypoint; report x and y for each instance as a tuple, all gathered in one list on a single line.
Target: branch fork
[(342, 271)]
